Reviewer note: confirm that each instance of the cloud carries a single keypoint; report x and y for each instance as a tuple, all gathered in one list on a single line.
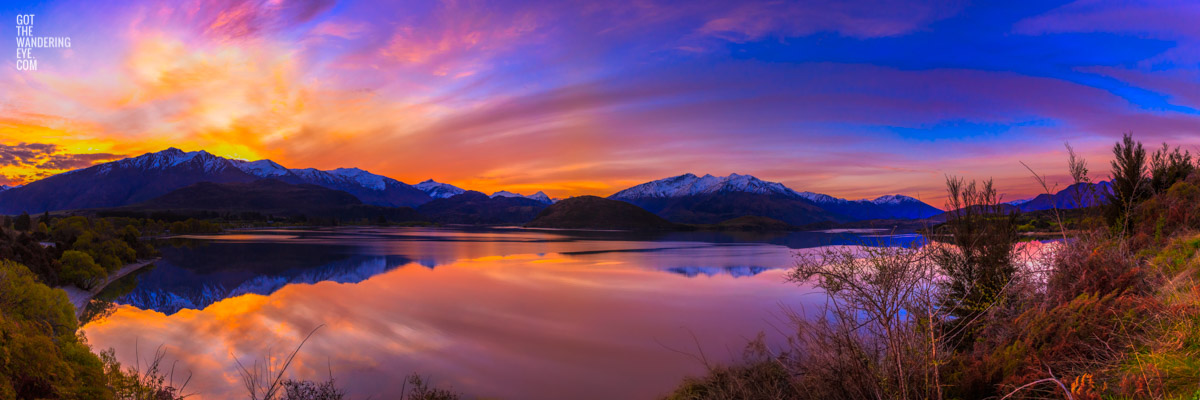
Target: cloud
[(861, 19), (48, 156), (73, 161), (25, 153)]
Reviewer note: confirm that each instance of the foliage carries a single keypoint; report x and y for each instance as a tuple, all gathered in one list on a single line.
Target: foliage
[(192, 225), (421, 390), (309, 390), (23, 222), (79, 269), (135, 383), (1129, 181), (759, 376), (978, 264), (1110, 312), (1168, 166), (40, 354)]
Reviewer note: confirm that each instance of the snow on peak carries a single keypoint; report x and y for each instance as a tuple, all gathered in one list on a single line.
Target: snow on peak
[(363, 178), (821, 198), (505, 193), (539, 196), (438, 190), (689, 184), (1018, 202), (261, 168), (169, 158), (892, 199)]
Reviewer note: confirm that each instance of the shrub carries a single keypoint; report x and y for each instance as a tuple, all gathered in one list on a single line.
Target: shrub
[(40, 354), (79, 269), (978, 264)]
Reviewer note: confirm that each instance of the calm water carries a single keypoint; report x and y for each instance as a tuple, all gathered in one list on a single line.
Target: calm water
[(512, 314)]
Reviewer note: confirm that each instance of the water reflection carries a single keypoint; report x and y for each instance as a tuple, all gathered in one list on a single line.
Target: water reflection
[(508, 314)]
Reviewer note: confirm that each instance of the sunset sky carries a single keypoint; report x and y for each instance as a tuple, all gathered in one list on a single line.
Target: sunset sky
[(853, 99)]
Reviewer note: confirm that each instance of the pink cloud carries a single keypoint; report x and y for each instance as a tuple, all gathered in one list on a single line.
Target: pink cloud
[(755, 20)]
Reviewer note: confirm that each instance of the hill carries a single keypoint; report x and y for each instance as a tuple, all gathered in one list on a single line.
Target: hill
[(591, 212), (1079, 195), (476, 208)]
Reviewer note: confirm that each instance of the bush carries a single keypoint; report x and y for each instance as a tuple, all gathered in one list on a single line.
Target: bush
[(79, 269), (192, 225), (40, 354)]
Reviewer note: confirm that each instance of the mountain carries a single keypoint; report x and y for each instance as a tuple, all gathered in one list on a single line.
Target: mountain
[(472, 207), (1017, 202), (1082, 194), (893, 206), (370, 188), (711, 199), (539, 196), (269, 197), (691, 185), (141, 178), (438, 190), (591, 212), (260, 195)]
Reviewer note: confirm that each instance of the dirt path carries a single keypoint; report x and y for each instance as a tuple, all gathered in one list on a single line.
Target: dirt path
[(80, 298)]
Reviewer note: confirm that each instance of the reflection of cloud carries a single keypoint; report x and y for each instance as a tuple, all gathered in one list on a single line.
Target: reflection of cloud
[(494, 326)]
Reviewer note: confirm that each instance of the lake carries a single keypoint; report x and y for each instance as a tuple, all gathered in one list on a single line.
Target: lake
[(501, 313)]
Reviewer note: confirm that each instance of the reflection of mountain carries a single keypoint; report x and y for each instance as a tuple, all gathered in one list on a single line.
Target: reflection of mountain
[(734, 271), (162, 289)]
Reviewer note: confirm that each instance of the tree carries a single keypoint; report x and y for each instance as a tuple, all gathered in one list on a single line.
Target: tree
[(45, 218), (40, 354), (23, 222), (1168, 166), (1129, 182), (978, 265), (80, 269)]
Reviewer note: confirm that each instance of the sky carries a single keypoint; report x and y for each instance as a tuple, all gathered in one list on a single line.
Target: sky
[(854, 99)]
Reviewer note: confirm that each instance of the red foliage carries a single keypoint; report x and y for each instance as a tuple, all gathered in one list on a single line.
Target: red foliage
[(1086, 267)]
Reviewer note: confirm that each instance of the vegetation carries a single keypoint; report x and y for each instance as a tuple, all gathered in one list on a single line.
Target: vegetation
[(1111, 312)]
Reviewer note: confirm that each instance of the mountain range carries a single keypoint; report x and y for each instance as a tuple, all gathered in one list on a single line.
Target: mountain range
[(1083, 194), (141, 178), (687, 198), (710, 199)]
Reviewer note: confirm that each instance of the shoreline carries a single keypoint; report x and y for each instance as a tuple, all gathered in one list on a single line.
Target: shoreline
[(80, 298)]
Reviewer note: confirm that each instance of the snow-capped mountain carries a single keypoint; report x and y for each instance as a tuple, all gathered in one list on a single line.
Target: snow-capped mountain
[(654, 197), (137, 179), (708, 199), (892, 206), (539, 196), (438, 190), (691, 185), (1018, 202)]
